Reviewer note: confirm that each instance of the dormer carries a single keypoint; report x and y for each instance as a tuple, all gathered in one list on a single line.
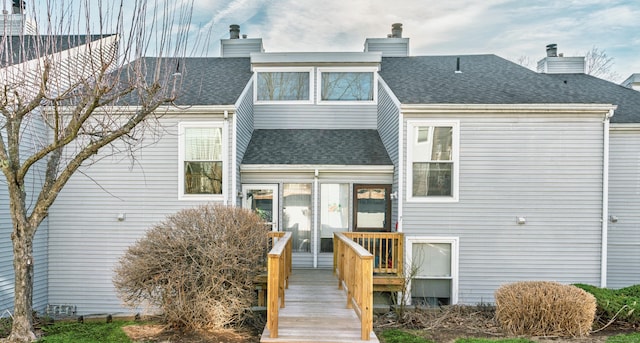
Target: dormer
[(316, 77), (632, 82)]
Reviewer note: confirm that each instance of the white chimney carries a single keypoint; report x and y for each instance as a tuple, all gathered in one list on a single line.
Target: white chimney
[(556, 63), (394, 45), (236, 47)]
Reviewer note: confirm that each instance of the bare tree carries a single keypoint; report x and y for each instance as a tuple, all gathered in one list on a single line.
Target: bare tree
[(62, 100), (599, 64)]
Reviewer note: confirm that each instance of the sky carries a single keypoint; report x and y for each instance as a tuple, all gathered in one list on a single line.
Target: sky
[(512, 29)]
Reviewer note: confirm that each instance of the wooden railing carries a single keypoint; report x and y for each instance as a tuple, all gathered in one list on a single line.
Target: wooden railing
[(353, 266), (278, 271), (386, 248)]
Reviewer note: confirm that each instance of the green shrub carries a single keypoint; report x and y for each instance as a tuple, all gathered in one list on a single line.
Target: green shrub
[(623, 304), (198, 267), (542, 308)]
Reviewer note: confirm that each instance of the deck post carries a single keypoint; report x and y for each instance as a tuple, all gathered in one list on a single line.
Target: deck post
[(366, 312), (273, 290)]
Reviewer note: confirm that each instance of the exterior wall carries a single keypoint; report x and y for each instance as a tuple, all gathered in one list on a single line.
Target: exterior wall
[(544, 167), (388, 122), (89, 239), (561, 65), (244, 130), (624, 186), (37, 133), (240, 47), (310, 116), (390, 47)]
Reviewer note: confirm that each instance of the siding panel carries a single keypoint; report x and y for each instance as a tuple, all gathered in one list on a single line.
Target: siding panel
[(546, 168), (89, 239), (315, 116), (388, 128), (624, 195)]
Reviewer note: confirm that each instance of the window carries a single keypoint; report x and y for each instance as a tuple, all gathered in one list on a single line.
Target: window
[(434, 263), (201, 160), (432, 161), (334, 212), (296, 215), (290, 85), (347, 85)]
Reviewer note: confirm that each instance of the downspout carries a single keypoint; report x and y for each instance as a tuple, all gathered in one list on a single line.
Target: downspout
[(225, 137), (234, 163), (605, 200), (401, 167), (315, 219)]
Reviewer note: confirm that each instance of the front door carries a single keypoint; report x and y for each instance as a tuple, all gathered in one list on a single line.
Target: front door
[(372, 208), (263, 199)]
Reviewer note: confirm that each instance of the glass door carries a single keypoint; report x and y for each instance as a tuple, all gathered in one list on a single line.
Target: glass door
[(372, 208), (263, 199)]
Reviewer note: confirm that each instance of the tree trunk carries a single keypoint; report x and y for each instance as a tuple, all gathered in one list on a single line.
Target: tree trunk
[(22, 329)]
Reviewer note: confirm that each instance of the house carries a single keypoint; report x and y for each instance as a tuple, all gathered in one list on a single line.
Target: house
[(21, 67), (494, 173)]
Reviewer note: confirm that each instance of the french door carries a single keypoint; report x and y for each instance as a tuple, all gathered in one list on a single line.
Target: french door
[(262, 199)]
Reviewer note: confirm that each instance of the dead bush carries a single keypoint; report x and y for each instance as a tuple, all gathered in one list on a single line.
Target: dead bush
[(197, 266), (542, 308)]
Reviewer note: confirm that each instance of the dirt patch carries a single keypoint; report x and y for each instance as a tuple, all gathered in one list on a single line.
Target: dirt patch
[(160, 334), (446, 324)]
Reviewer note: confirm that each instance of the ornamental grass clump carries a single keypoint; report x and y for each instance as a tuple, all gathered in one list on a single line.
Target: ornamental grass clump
[(543, 308), (198, 267)]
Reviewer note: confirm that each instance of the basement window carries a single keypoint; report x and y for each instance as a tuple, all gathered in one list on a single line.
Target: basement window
[(433, 264)]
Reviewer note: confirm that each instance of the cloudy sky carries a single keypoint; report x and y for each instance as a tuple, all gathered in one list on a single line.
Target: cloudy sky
[(509, 28)]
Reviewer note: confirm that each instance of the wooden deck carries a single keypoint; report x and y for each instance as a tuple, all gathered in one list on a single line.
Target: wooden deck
[(316, 311)]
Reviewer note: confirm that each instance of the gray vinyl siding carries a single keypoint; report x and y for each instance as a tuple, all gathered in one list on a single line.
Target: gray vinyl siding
[(389, 47), (545, 168), (388, 121), (33, 182), (310, 116), (624, 203), (89, 239), (244, 130)]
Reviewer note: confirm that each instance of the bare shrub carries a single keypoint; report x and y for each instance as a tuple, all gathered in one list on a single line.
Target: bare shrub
[(197, 266), (543, 308)]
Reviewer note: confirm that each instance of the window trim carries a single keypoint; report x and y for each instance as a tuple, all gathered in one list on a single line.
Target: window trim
[(455, 157), (181, 156), (259, 70), (455, 250), (318, 93)]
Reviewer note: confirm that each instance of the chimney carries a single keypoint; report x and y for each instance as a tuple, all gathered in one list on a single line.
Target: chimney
[(234, 31), (18, 7), (556, 63), (396, 30), (393, 45)]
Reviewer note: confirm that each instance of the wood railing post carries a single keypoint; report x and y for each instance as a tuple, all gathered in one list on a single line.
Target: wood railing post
[(278, 272), (366, 307)]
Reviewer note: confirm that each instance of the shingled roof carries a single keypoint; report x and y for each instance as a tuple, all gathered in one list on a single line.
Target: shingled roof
[(489, 79), (316, 147)]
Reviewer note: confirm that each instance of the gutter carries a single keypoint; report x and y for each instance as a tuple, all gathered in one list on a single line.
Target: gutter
[(605, 199)]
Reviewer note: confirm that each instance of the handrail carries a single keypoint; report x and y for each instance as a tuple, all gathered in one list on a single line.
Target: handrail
[(386, 247), (353, 266), (278, 271)]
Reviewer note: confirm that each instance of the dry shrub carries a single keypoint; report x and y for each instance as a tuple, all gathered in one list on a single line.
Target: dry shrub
[(542, 308), (197, 266)]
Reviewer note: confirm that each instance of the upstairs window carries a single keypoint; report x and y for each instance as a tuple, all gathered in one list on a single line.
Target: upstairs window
[(347, 86), (201, 160), (292, 85), (432, 161)]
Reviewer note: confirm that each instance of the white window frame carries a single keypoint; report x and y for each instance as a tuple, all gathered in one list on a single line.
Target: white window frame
[(259, 70), (181, 156), (373, 70), (455, 243), (455, 157)]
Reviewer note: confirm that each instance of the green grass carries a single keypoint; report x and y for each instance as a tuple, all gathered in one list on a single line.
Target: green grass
[(625, 338), (86, 333), (486, 340), (399, 336)]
